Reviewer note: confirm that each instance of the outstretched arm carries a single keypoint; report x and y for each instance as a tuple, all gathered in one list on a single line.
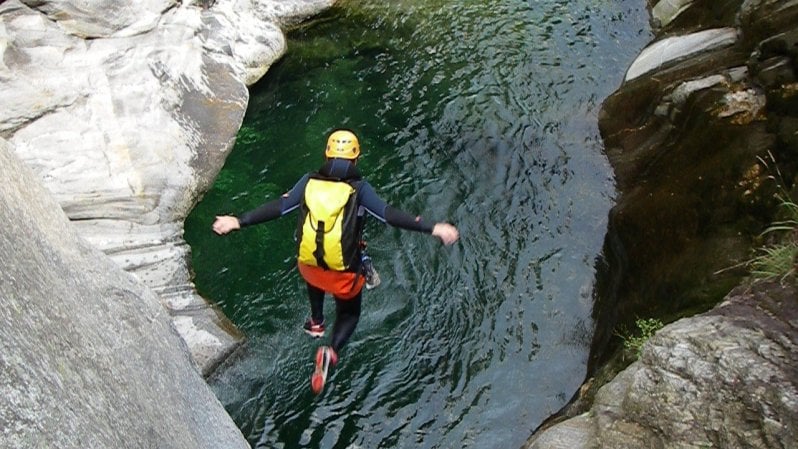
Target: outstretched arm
[(268, 211), (384, 212)]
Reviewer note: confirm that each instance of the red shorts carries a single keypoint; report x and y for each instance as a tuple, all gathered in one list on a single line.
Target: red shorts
[(341, 284)]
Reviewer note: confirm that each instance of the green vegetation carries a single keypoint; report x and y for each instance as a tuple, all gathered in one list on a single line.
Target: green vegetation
[(779, 260), (646, 328)]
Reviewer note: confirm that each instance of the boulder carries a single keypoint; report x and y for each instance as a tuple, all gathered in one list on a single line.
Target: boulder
[(678, 47), (119, 18), (725, 378), (89, 358), (666, 11)]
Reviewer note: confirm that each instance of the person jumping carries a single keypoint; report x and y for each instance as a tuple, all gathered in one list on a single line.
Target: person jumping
[(333, 203)]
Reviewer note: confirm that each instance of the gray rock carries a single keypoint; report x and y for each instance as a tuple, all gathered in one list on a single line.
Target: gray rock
[(119, 18), (675, 48), (726, 378), (681, 93), (665, 11), (129, 128), (575, 433), (88, 356)]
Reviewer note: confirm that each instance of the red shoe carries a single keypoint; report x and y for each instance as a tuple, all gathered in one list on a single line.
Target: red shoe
[(325, 357)]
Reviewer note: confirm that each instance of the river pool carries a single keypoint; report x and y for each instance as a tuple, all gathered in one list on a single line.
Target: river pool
[(482, 113)]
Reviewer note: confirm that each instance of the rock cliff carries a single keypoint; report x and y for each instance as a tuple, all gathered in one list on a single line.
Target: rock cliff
[(126, 112), (701, 134), (116, 117), (88, 356)]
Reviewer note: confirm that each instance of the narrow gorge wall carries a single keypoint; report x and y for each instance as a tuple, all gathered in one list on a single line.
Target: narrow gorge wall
[(702, 134), (116, 117), (88, 355), (126, 112)]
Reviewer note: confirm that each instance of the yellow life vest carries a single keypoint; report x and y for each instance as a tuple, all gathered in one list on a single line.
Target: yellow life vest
[(328, 225)]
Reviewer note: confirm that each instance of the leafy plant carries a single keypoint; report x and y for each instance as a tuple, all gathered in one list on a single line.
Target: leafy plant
[(646, 327)]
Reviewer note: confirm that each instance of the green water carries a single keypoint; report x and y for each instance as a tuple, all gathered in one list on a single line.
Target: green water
[(479, 113)]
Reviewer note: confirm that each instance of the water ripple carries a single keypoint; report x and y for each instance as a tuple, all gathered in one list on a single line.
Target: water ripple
[(482, 113)]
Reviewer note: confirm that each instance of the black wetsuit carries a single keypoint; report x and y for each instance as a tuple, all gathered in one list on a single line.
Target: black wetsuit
[(347, 311)]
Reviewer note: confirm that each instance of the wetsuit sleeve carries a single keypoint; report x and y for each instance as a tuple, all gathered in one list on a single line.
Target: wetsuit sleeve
[(265, 212), (386, 213), (275, 208)]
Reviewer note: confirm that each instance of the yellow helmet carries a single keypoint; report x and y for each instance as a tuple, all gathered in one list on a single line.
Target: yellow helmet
[(342, 144)]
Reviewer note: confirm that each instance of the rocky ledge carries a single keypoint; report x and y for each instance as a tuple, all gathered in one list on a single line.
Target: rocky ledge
[(722, 379), (701, 134), (126, 112)]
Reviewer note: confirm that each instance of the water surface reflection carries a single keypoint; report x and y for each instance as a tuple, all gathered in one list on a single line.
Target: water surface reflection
[(482, 113)]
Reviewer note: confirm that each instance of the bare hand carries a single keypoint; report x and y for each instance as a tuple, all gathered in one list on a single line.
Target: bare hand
[(225, 224), (446, 232)]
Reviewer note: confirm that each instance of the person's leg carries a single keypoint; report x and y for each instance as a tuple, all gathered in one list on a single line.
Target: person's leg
[(316, 297), (347, 314), (314, 326)]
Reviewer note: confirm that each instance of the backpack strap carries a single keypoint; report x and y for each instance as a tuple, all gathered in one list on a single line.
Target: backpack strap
[(318, 253)]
